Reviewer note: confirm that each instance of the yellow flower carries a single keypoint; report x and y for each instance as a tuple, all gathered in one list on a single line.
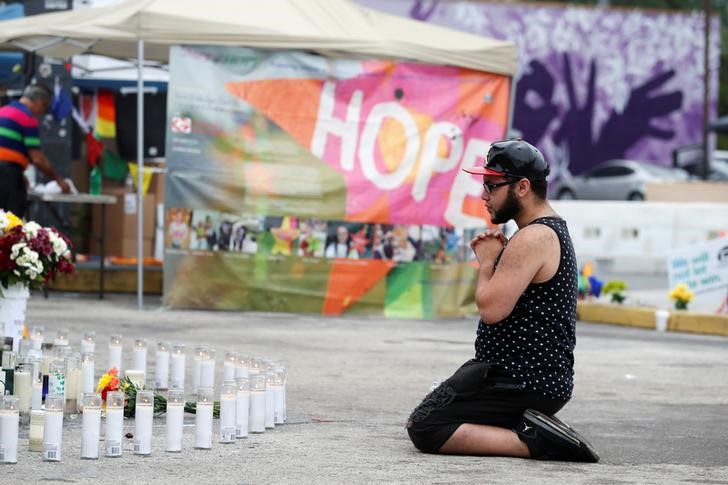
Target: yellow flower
[(104, 381), (13, 220), (681, 293)]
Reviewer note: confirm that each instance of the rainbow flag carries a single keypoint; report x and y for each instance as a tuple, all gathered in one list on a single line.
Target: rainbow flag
[(105, 114)]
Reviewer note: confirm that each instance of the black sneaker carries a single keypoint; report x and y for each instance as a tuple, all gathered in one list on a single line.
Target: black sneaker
[(549, 438)]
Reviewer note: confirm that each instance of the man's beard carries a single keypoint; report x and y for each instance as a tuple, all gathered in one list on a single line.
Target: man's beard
[(510, 209)]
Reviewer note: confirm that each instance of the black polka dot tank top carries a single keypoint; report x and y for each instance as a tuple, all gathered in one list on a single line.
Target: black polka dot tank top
[(535, 343)]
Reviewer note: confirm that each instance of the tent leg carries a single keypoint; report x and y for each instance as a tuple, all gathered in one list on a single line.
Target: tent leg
[(140, 175)]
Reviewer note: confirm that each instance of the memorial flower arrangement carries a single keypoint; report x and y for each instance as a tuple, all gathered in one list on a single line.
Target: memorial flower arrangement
[(616, 288), (31, 255), (681, 295), (110, 381)]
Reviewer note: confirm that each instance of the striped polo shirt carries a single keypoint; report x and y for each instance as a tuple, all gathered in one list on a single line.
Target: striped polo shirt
[(18, 133)]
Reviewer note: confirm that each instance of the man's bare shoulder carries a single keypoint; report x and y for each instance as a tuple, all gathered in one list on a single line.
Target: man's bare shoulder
[(533, 236)]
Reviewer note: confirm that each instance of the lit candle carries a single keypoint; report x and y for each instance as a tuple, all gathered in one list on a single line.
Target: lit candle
[(91, 426), (36, 400), (73, 381), (175, 419), (88, 342), (114, 422), (24, 387), (161, 366), (256, 419), (207, 369), (200, 352), (177, 380), (241, 368), (242, 407), (36, 336), (136, 377), (61, 337), (270, 400), (35, 431), (228, 405), (115, 347), (228, 368), (9, 420), (144, 415), (203, 418), (139, 355), (53, 427), (87, 373), (278, 397)]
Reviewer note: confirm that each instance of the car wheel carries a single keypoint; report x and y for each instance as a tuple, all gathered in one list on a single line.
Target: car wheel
[(636, 196), (566, 194)]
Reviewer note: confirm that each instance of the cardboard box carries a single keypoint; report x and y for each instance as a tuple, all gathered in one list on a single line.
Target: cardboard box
[(121, 218), (124, 248)]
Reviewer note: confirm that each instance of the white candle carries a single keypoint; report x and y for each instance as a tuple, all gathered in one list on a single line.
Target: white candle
[(241, 370), (137, 377), (115, 348), (53, 428), (269, 407), (73, 378), (197, 367), (203, 418), (87, 373), (23, 389), (203, 426), (278, 410), (242, 412), (9, 420), (88, 343), (36, 336), (177, 380), (175, 419), (144, 417), (139, 355), (114, 423), (57, 378), (91, 426), (228, 405), (256, 420), (228, 371), (161, 366), (35, 431), (36, 400), (61, 337), (207, 372)]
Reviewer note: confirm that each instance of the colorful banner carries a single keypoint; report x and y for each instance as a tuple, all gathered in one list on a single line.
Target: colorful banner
[(324, 185)]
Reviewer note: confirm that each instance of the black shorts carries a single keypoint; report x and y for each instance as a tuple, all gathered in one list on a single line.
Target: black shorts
[(13, 194), (476, 393)]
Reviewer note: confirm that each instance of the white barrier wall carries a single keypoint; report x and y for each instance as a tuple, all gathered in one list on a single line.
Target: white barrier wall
[(635, 238)]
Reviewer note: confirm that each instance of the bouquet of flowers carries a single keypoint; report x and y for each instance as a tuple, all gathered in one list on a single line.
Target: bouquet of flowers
[(110, 381), (31, 255), (681, 295), (616, 288)]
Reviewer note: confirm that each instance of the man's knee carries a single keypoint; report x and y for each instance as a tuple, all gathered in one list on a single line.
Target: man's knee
[(423, 437)]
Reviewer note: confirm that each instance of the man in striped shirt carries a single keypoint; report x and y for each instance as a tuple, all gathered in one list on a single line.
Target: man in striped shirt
[(20, 146)]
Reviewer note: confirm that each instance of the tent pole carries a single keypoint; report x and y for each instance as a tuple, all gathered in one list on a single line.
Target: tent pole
[(140, 174)]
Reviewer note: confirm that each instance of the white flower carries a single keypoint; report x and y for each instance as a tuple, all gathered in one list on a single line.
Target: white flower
[(59, 245), (31, 228), (4, 221)]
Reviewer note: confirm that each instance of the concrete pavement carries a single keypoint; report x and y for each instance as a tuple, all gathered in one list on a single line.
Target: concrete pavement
[(653, 404)]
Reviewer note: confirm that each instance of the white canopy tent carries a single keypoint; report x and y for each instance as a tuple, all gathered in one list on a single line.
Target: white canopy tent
[(144, 29)]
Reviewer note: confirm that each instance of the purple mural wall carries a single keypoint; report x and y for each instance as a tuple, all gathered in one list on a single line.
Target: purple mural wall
[(593, 84)]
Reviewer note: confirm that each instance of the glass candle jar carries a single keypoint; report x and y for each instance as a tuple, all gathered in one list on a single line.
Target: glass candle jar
[(139, 355), (9, 421), (177, 367), (53, 427), (61, 337), (57, 378), (114, 422), (203, 418), (269, 400), (88, 342), (91, 426), (207, 369), (115, 349), (228, 369), (35, 431), (73, 383), (88, 383), (228, 408), (256, 418), (37, 333), (175, 419), (161, 366), (242, 408), (144, 415)]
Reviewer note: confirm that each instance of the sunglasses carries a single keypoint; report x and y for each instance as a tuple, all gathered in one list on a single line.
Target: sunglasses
[(489, 188)]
